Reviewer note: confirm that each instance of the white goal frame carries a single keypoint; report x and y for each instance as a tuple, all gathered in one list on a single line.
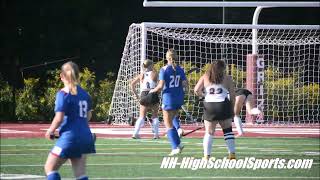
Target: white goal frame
[(143, 39)]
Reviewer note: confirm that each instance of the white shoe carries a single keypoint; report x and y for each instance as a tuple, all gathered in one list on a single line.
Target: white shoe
[(255, 111), (177, 151), (180, 132), (156, 137), (135, 136)]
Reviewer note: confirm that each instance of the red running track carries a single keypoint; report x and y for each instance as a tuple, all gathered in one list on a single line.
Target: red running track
[(20, 130)]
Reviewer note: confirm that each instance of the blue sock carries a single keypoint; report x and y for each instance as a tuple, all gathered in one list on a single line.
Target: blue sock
[(83, 178), (54, 175), (176, 122), (173, 138)]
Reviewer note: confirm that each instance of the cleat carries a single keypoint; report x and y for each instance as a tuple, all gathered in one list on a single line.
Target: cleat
[(239, 135), (156, 137), (177, 151), (206, 157), (232, 156), (180, 132), (135, 136)]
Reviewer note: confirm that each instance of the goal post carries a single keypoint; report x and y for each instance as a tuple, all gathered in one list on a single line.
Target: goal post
[(286, 77)]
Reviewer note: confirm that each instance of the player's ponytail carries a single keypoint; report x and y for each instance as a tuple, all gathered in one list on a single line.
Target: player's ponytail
[(172, 56), (216, 72), (71, 73)]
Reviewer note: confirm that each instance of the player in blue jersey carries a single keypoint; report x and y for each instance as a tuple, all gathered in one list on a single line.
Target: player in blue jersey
[(172, 81), (218, 91), (148, 102), (72, 112)]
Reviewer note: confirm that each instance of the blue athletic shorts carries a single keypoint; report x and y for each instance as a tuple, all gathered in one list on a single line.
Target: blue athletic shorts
[(171, 107), (68, 147)]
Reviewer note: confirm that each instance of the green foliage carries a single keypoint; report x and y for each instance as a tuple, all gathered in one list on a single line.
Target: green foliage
[(311, 95), (87, 80), (238, 76), (47, 99), (104, 97), (27, 101), (6, 100)]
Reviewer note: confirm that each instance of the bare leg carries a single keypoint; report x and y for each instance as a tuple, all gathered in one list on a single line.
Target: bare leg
[(140, 121), (79, 166), (210, 127), (237, 109), (167, 118), (155, 121), (53, 164)]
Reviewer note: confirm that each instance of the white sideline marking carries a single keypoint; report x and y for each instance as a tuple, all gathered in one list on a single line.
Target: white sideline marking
[(105, 164), (10, 131), (20, 176), (204, 177), (157, 143), (68, 164), (24, 176), (162, 153)]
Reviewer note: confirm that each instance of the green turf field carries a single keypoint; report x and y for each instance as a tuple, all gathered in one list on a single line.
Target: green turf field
[(138, 159)]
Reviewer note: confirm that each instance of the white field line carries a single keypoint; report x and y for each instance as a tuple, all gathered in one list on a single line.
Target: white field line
[(100, 164), (156, 143), (152, 148), (204, 177), (15, 176), (161, 153)]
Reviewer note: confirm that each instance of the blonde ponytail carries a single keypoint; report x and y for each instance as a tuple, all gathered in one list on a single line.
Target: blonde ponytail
[(71, 72), (173, 56)]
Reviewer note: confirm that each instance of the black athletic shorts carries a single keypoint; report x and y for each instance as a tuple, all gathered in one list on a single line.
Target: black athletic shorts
[(148, 99), (244, 92), (214, 111)]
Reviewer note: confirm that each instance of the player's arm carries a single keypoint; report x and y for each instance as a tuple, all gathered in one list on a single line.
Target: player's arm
[(57, 120), (154, 75), (133, 84), (198, 89), (159, 87), (160, 84), (89, 115), (231, 89)]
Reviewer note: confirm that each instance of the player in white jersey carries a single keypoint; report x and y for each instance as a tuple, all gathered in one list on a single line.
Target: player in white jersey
[(218, 106), (243, 97), (148, 101)]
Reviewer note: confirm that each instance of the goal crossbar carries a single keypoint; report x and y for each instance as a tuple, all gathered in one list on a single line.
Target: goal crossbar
[(228, 26), (229, 4)]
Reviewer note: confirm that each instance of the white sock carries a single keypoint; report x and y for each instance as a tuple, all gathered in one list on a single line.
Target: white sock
[(237, 121), (229, 138), (255, 111), (207, 144), (155, 126), (138, 125)]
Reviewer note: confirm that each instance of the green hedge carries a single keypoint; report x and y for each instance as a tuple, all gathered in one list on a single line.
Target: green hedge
[(35, 102), (286, 96)]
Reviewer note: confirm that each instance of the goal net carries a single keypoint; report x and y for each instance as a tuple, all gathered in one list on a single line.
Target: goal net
[(283, 75)]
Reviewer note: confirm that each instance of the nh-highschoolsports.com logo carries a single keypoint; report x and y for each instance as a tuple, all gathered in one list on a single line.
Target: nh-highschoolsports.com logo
[(246, 163)]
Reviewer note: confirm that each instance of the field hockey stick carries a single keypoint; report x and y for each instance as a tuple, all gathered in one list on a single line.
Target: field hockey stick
[(196, 129), (192, 131), (188, 114)]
